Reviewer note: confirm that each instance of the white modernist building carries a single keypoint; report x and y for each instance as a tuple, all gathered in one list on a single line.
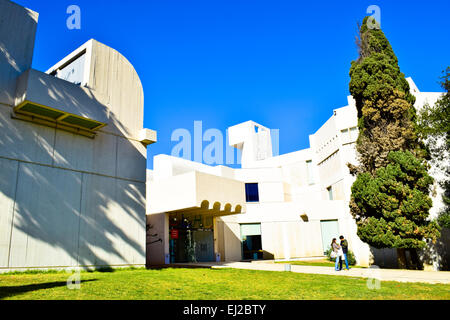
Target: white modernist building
[(73, 173), (273, 207), (72, 154)]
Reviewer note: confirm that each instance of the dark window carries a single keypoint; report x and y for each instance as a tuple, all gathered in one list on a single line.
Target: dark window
[(251, 192), (252, 248)]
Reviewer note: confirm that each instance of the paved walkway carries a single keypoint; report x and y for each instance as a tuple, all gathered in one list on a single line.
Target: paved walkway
[(381, 274)]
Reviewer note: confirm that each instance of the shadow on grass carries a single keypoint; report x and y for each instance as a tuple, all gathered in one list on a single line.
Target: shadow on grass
[(177, 266), (110, 269), (101, 269), (11, 291)]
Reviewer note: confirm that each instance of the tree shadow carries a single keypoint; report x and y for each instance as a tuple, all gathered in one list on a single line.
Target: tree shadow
[(92, 218), (101, 269), (434, 254), (438, 253), (11, 291), (384, 258)]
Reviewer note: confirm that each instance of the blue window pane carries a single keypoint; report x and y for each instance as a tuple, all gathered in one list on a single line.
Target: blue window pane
[(251, 192)]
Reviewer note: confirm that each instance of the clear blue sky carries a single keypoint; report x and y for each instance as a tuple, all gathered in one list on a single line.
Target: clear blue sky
[(283, 64)]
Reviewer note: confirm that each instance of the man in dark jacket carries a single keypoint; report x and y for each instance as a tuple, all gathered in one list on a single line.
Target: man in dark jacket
[(344, 246)]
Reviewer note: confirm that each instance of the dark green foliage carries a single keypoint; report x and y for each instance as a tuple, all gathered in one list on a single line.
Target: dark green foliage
[(389, 200), (385, 106), (391, 207), (444, 219)]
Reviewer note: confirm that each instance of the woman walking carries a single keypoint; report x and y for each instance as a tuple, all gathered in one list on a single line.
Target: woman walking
[(335, 253)]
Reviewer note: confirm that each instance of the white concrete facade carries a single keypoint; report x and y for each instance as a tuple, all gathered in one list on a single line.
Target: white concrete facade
[(300, 193), (72, 154), (74, 191)]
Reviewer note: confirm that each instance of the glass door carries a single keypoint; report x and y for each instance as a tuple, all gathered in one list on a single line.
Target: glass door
[(330, 230), (251, 241)]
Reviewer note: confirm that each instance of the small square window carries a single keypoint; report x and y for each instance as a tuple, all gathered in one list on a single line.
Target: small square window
[(251, 192)]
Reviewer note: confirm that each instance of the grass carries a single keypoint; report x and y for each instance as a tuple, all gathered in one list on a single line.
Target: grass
[(207, 284)]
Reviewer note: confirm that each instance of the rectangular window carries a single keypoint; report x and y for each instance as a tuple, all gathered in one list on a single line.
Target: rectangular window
[(251, 229), (251, 192), (330, 193), (74, 71), (309, 169)]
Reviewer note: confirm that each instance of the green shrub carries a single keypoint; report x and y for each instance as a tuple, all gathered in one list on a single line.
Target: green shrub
[(444, 220), (350, 257)]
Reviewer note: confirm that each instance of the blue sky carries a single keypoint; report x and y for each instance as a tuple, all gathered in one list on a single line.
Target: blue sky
[(283, 64)]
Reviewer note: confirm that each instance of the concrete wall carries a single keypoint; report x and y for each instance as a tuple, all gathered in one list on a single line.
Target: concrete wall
[(194, 190), (115, 83), (291, 239), (228, 193), (232, 242), (69, 200), (17, 35), (253, 140), (158, 228), (66, 200)]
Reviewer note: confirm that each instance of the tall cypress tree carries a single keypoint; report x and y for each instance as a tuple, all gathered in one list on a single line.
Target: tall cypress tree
[(390, 196)]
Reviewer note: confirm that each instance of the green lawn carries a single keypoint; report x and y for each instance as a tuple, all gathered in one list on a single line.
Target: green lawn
[(210, 284)]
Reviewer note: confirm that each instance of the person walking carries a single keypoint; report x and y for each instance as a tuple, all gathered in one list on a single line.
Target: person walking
[(335, 253), (344, 246)]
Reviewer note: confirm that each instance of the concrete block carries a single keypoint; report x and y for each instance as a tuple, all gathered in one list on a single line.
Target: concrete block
[(232, 240), (147, 136), (46, 217), (43, 89), (112, 229), (77, 152), (131, 160), (24, 140)]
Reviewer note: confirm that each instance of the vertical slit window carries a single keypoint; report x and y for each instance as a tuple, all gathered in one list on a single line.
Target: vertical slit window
[(330, 193)]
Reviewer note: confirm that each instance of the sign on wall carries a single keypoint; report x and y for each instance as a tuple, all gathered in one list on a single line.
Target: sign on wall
[(174, 234)]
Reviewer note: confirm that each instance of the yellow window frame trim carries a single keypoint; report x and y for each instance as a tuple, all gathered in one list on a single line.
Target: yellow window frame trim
[(60, 119)]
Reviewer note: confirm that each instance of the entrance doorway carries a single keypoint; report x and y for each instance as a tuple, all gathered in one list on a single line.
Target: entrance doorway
[(251, 241), (330, 230), (191, 239), (204, 245)]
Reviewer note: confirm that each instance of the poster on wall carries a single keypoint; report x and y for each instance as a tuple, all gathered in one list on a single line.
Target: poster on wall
[(174, 234)]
